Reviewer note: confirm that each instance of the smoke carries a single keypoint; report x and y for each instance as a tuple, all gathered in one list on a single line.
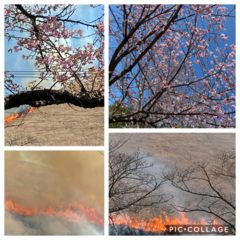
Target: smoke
[(47, 225), (163, 164), (46, 179), (21, 109)]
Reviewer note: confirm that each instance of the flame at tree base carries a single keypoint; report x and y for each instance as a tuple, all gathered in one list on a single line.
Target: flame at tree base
[(156, 224), (74, 212), (16, 115)]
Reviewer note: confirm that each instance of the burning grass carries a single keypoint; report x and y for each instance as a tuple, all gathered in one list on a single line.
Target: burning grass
[(17, 115), (74, 212), (125, 224), (157, 224)]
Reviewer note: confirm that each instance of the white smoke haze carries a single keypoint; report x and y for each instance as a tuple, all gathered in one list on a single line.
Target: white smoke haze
[(21, 109), (47, 225), (46, 179), (165, 164)]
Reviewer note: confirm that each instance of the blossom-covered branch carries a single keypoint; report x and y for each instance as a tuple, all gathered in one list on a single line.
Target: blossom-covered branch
[(46, 32)]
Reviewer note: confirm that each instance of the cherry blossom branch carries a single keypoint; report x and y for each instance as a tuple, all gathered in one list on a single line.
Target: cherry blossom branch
[(112, 81)]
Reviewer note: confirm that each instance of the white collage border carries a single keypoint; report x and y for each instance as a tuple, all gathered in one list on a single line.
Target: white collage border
[(106, 130)]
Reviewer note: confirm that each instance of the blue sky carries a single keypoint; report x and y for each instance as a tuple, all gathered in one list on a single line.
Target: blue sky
[(14, 62)]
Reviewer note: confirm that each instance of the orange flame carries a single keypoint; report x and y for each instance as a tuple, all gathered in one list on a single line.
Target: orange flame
[(156, 224), (74, 212), (16, 115)]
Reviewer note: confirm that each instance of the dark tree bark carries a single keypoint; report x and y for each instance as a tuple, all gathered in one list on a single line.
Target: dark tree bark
[(46, 97)]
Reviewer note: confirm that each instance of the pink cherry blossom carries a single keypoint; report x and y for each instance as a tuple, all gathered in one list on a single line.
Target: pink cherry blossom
[(224, 38)]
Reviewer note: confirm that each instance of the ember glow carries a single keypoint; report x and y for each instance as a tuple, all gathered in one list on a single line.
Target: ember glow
[(16, 115), (74, 212), (156, 224)]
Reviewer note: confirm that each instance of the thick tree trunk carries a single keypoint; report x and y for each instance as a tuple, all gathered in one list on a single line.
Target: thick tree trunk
[(46, 97)]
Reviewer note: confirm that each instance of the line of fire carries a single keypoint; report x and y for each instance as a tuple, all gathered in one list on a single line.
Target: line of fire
[(54, 193), (17, 115), (172, 184)]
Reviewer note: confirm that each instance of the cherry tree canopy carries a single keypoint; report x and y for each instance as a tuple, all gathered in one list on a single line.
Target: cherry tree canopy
[(172, 65), (47, 33)]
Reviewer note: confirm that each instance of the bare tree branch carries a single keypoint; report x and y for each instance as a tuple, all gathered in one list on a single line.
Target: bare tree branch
[(132, 186), (213, 181)]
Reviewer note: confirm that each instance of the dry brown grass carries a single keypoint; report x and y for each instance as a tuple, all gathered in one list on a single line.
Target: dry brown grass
[(57, 125)]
